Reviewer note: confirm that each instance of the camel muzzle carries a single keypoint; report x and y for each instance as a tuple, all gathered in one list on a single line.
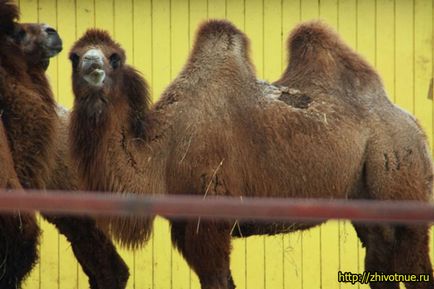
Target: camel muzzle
[(92, 67)]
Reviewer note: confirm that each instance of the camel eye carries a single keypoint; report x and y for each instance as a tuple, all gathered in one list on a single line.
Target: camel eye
[(20, 35), (115, 60), (74, 59)]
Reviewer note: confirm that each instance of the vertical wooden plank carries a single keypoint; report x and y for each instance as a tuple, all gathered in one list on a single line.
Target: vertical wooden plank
[(235, 10), (347, 21), (274, 255), (197, 14), (309, 9), (312, 258), (216, 9), (293, 261), (385, 50), (179, 36), (238, 263), (49, 249), (273, 45), (328, 11), (404, 55), (330, 254), (162, 255), (143, 36), (161, 46), (85, 16), (67, 30), (366, 23), (104, 15), (254, 21), (423, 65), (291, 13), (29, 11)]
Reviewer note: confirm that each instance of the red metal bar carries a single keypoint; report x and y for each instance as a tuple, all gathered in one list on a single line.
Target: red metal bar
[(75, 203)]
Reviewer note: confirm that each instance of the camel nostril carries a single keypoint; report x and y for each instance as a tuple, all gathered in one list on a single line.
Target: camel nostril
[(50, 30)]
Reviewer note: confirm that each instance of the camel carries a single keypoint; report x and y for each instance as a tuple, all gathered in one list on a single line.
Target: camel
[(330, 132), (37, 135)]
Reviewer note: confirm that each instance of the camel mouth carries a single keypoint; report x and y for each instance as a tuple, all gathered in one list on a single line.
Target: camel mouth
[(96, 77)]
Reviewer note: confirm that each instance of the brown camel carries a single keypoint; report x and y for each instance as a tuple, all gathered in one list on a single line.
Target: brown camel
[(217, 131), (37, 136), (18, 232)]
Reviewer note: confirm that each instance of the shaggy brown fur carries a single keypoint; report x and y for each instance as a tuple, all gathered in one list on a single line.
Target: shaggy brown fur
[(18, 232), (215, 132), (38, 145)]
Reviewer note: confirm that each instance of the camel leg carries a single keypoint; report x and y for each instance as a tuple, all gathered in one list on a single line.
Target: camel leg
[(397, 249), (206, 249), (18, 248), (94, 251), (380, 250), (412, 254)]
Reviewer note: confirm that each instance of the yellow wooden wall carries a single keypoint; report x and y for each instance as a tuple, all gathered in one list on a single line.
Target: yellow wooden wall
[(394, 35)]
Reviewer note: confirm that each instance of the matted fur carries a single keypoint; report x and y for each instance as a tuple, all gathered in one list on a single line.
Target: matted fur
[(38, 144), (18, 232), (215, 133)]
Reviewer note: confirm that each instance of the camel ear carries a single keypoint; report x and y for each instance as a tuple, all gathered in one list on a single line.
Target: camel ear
[(139, 101), (8, 15)]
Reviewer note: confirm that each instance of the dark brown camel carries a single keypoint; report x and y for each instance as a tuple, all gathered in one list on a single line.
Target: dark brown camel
[(37, 138), (18, 232), (217, 131)]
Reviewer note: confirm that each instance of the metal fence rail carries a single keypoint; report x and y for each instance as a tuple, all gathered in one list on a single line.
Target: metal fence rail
[(78, 203)]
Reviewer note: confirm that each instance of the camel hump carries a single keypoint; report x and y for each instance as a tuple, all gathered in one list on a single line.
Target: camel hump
[(318, 44), (9, 13), (218, 28), (220, 36), (313, 34)]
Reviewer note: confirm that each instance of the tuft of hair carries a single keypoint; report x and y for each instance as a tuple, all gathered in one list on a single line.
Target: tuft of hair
[(313, 34), (139, 99), (97, 37), (316, 50), (217, 28), (130, 232), (9, 13), (221, 31), (315, 40)]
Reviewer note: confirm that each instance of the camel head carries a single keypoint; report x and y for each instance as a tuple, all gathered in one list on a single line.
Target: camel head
[(97, 61), (104, 85), (38, 42)]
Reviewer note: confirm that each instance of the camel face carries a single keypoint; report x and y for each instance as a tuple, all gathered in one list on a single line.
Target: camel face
[(92, 67), (39, 42), (97, 61)]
